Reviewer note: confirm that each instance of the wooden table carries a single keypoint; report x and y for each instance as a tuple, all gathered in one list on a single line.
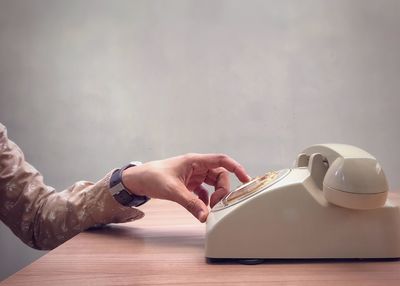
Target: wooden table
[(167, 247)]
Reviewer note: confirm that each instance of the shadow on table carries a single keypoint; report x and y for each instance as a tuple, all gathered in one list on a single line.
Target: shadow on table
[(155, 235), (251, 261)]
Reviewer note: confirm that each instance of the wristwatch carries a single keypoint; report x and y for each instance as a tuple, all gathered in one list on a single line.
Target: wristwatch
[(120, 192)]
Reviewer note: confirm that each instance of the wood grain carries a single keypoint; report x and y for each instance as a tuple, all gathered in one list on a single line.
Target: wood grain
[(167, 248)]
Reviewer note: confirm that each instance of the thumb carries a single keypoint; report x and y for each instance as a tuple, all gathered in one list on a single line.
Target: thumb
[(192, 203)]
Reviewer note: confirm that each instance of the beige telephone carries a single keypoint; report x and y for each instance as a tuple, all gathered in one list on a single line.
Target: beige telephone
[(332, 204)]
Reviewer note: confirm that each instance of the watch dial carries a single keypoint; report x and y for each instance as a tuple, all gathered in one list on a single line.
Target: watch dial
[(251, 188)]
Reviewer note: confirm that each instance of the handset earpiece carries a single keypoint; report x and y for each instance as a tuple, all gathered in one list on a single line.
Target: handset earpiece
[(355, 183), (353, 179)]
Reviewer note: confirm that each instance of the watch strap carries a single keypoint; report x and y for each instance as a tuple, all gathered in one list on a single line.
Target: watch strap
[(120, 192)]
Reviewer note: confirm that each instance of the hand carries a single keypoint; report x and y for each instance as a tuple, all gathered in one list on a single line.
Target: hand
[(180, 179)]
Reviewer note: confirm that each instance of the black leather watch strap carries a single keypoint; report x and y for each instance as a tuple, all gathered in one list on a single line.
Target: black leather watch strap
[(120, 192)]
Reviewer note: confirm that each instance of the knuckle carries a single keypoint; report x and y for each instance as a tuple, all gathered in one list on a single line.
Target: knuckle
[(223, 171), (238, 166), (191, 205), (222, 157), (189, 156)]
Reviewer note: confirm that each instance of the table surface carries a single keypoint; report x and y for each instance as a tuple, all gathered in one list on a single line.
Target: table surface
[(167, 247)]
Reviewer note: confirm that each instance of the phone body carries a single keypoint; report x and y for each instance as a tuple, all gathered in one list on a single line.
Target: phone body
[(333, 204)]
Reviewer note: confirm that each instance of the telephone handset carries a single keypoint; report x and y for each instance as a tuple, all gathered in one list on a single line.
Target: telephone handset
[(348, 176), (332, 204)]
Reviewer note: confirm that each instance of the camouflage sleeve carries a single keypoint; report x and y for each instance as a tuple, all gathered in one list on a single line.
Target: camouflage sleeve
[(44, 218)]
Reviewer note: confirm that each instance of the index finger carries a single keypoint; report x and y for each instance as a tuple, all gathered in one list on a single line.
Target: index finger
[(212, 161)]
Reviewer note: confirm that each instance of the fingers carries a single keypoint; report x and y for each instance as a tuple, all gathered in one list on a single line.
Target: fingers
[(219, 178), (212, 161), (202, 193), (191, 202), (222, 186)]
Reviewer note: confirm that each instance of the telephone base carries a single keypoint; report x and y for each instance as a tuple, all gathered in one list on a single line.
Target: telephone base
[(291, 220)]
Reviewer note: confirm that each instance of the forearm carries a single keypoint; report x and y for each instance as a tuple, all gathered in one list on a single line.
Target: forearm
[(43, 218)]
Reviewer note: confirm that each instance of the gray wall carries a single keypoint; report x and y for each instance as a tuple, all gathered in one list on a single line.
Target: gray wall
[(89, 85)]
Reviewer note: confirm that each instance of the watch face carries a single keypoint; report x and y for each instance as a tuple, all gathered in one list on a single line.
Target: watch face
[(251, 188)]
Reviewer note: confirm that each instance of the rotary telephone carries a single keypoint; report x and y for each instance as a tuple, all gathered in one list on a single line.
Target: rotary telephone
[(332, 204)]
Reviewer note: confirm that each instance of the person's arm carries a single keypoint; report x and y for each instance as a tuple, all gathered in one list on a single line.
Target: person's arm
[(44, 218)]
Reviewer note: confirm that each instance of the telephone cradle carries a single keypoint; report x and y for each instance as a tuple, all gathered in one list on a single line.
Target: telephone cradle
[(332, 205)]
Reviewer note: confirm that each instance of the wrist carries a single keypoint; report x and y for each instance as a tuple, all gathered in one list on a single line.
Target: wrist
[(131, 179), (124, 192)]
